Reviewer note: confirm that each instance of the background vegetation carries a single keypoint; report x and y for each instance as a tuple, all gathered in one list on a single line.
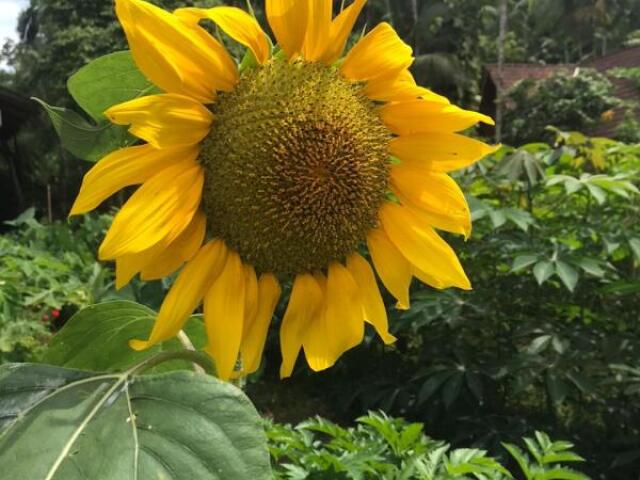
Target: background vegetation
[(549, 338)]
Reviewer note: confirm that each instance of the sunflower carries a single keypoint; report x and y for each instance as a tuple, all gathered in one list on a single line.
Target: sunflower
[(286, 168)]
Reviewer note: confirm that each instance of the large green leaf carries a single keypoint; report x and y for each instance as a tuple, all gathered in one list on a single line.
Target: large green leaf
[(84, 140), (107, 81), (523, 261), (59, 424), (567, 274), (96, 338), (622, 288), (543, 271), (634, 243), (104, 82)]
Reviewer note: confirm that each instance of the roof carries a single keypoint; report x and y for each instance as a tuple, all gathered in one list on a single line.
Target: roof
[(625, 58), (624, 89), (15, 109), (512, 73)]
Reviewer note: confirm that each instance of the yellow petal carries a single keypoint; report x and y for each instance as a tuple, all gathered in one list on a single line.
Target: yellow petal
[(166, 120), (433, 97), (126, 269), (179, 251), (417, 116), (255, 335), (436, 195), (186, 293), (288, 20), (422, 246), (374, 309), (398, 86), (448, 223), (123, 168), (250, 311), (393, 269), (380, 53), (251, 295), (316, 37), (224, 305), (158, 211), (340, 29), (340, 325), (225, 66), (236, 23), (128, 266), (439, 152), (304, 303), (162, 259), (173, 54), (429, 279)]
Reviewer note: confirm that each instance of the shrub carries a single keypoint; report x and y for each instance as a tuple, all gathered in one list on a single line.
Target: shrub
[(568, 102), (390, 448), (46, 273)]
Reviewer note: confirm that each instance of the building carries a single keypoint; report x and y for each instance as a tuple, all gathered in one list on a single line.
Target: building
[(494, 84), (15, 110)]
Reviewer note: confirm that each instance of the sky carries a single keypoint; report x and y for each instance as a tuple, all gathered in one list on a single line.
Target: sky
[(9, 10)]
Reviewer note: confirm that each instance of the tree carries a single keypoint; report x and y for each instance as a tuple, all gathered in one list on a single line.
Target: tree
[(567, 102), (57, 37), (501, 40)]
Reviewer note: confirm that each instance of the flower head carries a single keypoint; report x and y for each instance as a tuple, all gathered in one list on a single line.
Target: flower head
[(286, 170)]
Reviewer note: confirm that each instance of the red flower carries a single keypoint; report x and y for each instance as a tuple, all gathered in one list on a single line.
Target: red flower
[(55, 313)]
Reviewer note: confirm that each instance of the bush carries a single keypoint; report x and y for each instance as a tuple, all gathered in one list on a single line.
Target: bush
[(549, 338), (383, 447), (46, 274), (568, 102)]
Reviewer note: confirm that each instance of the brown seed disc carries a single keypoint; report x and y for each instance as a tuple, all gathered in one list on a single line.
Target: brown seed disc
[(296, 167)]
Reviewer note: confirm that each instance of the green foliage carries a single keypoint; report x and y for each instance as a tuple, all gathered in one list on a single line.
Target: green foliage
[(383, 447), (48, 272), (42, 270), (105, 82), (81, 138), (71, 424), (453, 39), (96, 338), (632, 74), (629, 128), (58, 38), (547, 461), (573, 102), (554, 259)]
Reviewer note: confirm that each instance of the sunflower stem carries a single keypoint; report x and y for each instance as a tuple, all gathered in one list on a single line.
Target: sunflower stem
[(250, 9), (199, 358), (187, 344)]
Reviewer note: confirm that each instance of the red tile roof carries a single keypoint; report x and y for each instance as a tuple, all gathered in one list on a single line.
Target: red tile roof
[(514, 72), (624, 89), (626, 58)]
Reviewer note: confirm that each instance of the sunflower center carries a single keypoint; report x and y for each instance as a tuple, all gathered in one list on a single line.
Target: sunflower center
[(295, 167)]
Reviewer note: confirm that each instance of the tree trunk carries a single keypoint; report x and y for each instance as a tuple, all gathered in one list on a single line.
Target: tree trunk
[(405, 16), (503, 9)]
